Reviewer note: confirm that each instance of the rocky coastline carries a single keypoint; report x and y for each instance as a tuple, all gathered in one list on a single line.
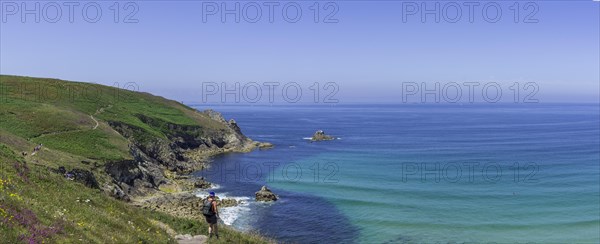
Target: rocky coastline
[(158, 177)]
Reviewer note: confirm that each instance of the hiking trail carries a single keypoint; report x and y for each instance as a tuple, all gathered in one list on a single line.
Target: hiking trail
[(97, 124)]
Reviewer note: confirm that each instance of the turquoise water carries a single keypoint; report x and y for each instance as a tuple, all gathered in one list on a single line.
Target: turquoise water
[(421, 173)]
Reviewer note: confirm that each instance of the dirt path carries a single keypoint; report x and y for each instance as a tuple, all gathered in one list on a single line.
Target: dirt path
[(95, 126), (181, 239), (188, 239), (99, 111)]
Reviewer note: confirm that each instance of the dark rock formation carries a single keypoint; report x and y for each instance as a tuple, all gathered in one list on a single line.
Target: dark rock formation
[(321, 136), (265, 195), (85, 177), (135, 178), (82, 176), (234, 126)]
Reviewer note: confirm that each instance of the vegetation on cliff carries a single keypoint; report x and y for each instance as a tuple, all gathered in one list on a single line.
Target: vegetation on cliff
[(100, 147)]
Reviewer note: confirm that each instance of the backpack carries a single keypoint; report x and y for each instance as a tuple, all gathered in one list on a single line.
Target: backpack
[(207, 208)]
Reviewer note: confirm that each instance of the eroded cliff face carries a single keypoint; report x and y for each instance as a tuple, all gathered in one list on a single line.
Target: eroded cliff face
[(156, 159)]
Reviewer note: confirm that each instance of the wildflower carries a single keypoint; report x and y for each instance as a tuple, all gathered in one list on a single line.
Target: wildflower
[(4, 184), (14, 195)]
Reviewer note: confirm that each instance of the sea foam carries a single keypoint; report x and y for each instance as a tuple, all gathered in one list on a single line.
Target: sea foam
[(229, 215)]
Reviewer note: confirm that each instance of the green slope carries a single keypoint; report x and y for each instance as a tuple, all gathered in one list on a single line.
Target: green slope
[(59, 114), (73, 121)]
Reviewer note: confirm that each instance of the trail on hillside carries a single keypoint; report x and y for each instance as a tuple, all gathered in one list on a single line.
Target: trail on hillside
[(97, 124), (99, 111), (188, 239)]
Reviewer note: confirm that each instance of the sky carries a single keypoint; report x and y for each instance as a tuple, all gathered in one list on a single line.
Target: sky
[(350, 52)]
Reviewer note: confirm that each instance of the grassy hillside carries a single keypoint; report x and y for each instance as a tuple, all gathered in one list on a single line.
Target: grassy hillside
[(62, 115), (73, 121)]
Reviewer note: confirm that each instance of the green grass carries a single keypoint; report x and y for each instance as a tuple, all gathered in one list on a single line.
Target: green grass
[(34, 107), (55, 201), (95, 144), (30, 120)]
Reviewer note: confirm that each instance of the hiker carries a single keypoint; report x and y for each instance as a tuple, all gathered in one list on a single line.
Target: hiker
[(70, 176), (37, 148), (211, 213)]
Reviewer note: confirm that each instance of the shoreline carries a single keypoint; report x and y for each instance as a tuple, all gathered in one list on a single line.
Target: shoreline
[(184, 195)]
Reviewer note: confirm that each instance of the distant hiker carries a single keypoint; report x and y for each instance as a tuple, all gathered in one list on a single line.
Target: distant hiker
[(36, 148), (70, 176), (211, 213)]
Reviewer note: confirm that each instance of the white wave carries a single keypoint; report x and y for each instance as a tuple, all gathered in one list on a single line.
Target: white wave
[(237, 198), (201, 194), (310, 138), (230, 214)]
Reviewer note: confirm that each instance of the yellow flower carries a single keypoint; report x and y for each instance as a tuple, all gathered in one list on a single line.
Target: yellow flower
[(14, 195)]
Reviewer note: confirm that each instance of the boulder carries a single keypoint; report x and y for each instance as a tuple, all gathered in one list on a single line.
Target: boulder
[(227, 202), (201, 183), (264, 145), (265, 195)]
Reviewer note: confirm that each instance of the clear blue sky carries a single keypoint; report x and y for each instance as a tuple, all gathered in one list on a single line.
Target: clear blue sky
[(369, 53)]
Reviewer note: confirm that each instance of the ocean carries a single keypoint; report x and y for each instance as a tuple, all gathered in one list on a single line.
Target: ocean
[(417, 173)]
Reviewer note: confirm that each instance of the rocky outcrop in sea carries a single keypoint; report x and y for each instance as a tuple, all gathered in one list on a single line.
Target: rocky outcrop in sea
[(265, 195), (321, 136)]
